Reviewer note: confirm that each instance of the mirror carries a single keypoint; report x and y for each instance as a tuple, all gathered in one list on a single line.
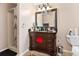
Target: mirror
[(46, 18)]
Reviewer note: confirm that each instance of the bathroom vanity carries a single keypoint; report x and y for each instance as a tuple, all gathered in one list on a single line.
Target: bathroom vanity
[(43, 34)]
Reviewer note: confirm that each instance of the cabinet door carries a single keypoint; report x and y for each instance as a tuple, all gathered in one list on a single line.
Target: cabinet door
[(41, 42), (32, 41)]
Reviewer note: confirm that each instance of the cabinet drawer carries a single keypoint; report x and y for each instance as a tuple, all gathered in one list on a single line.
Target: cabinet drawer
[(51, 36), (50, 40)]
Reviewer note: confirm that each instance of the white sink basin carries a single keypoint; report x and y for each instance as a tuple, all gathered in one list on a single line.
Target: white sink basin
[(73, 40)]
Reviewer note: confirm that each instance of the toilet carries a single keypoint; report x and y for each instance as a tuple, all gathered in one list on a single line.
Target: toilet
[(74, 41)]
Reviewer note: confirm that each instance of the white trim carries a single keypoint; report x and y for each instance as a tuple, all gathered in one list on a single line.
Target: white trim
[(13, 49), (3, 49), (23, 53)]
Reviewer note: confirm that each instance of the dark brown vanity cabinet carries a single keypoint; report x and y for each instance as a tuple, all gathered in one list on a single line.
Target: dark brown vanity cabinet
[(43, 41), (43, 33)]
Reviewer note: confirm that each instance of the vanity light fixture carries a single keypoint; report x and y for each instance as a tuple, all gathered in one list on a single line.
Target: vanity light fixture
[(44, 7)]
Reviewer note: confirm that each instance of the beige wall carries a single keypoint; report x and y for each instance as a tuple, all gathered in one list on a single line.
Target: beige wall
[(67, 18), (26, 19), (3, 26)]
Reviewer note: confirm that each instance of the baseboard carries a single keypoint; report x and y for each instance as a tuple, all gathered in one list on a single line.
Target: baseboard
[(22, 53), (13, 49), (3, 49)]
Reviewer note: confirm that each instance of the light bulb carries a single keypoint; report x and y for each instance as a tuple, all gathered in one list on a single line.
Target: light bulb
[(43, 9), (39, 9), (48, 7)]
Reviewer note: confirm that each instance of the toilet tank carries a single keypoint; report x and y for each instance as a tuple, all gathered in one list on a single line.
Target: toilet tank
[(73, 40)]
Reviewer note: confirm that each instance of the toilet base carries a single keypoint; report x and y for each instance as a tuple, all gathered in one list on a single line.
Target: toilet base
[(75, 50)]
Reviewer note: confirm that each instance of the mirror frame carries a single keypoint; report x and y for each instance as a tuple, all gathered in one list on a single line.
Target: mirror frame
[(51, 10)]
